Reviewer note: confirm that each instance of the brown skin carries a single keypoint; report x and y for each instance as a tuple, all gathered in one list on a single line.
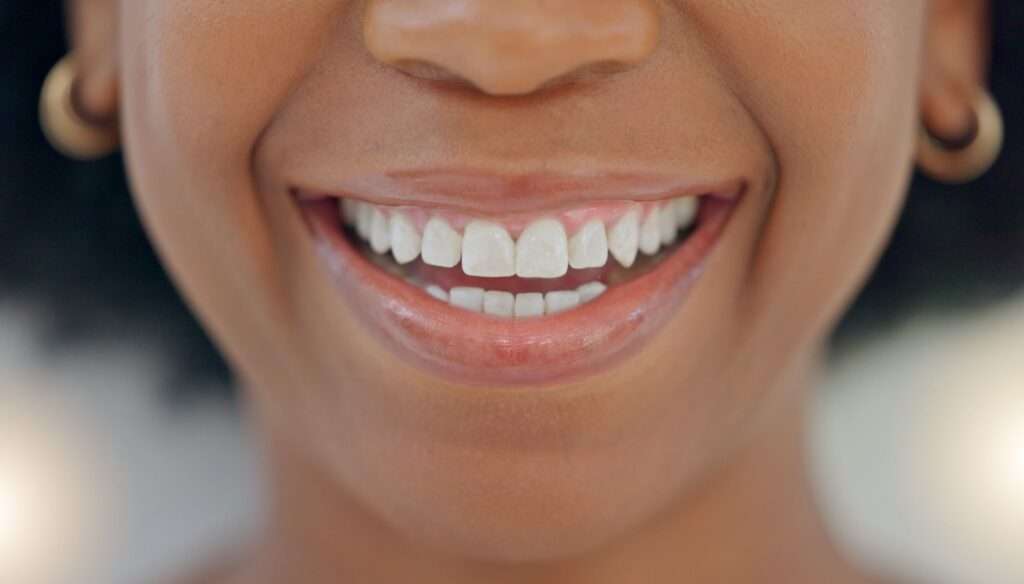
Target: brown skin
[(682, 461)]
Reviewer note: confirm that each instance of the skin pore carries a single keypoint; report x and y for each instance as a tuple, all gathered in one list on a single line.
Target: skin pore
[(679, 461)]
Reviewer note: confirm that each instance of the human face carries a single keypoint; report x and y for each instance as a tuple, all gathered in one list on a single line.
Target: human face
[(518, 438)]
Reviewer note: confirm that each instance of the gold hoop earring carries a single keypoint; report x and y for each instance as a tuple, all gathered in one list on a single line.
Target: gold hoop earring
[(964, 162), (71, 132)]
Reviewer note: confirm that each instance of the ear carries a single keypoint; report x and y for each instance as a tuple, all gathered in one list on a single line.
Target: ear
[(955, 66), (93, 37)]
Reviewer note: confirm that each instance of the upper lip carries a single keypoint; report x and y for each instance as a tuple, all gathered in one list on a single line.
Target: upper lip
[(485, 192)]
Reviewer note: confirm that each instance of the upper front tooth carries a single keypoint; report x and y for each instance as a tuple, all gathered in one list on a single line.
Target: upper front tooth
[(542, 250), (650, 233), (685, 211), (624, 238), (380, 232), (488, 251), (405, 240), (442, 245), (667, 225), (589, 247)]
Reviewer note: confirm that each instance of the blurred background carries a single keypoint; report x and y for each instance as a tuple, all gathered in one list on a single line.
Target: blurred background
[(123, 455)]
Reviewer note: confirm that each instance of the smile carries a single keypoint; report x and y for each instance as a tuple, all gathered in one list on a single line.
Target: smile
[(521, 296)]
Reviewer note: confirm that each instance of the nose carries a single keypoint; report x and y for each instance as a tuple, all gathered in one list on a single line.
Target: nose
[(510, 47)]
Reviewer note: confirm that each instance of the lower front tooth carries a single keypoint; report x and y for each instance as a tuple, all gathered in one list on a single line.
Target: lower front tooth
[(467, 298), (591, 291), (529, 304), (438, 293), (561, 301), (499, 303)]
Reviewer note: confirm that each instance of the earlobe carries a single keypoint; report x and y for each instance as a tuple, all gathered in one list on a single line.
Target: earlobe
[(965, 158), (961, 131), (78, 104), (74, 133)]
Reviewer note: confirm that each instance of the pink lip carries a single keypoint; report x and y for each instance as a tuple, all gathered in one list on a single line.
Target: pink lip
[(477, 349)]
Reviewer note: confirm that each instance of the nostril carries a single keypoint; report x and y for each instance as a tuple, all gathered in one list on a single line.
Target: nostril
[(504, 47)]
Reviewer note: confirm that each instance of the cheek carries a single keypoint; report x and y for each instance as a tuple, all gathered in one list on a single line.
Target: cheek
[(837, 100), (202, 81)]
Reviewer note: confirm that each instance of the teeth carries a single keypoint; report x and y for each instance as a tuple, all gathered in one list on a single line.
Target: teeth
[(405, 240), (442, 245), (488, 251), (467, 298), (685, 211), (380, 232), (667, 225), (589, 247), (542, 250), (364, 220), (561, 301), (499, 303), (438, 293), (529, 304), (349, 211), (650, 233), (624, 238), (591, 291), (524, 305)]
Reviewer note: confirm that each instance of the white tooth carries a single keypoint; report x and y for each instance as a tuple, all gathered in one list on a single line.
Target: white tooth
[(542, 250), (624, 238), (437, 292), (380, 232), (442, 245), (364, 220), (667, 225), (685, 211), (650, 234), (467, 298), (589, 247), (591, 291), (499, 303), (561, 301), (488, 251), (349, 211), (405, 240), (529, 304)]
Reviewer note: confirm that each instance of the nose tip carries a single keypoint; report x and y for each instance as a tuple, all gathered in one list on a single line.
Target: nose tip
[(510, 47)]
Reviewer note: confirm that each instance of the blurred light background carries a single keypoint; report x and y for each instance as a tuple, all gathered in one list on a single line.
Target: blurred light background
[(123, 456)]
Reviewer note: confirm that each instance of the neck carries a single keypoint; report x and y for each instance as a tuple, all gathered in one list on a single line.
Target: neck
[(754, 521)]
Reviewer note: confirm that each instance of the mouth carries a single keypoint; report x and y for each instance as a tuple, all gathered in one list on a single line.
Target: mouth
[(535, 291)]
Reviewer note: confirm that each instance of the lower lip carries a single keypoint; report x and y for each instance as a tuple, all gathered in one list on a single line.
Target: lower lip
[(476, 349)]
